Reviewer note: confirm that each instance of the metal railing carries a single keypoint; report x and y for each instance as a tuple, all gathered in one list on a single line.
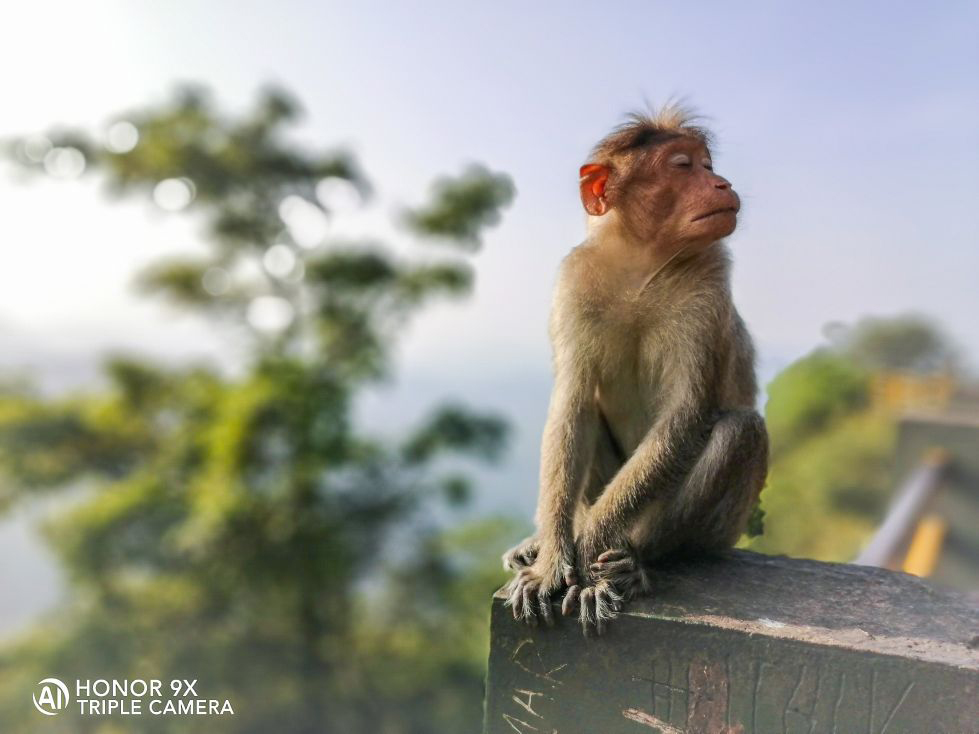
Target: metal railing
[(890, 542)]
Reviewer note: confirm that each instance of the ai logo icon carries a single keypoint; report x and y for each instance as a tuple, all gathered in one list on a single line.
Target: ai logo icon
[(52, 698)]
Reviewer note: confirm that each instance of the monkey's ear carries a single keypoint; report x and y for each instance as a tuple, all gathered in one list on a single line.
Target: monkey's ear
[(592, 181)]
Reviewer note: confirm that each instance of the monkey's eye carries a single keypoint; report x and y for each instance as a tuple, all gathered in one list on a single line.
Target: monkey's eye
[(681, 160), (709, 165)]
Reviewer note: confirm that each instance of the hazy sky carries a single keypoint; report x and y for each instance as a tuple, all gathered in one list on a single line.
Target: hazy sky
[(850, 130)]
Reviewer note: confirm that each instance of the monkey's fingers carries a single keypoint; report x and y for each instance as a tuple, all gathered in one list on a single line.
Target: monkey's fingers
[(570, 599), (615, 554), (626, 565), (515, 600), (607, 604), (515, 561), (529, 613), (586, 615), (544, 607)]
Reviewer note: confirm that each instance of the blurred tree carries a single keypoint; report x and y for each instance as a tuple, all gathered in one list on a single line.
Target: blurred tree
[(830, 478), (234, 530), (910, 342)]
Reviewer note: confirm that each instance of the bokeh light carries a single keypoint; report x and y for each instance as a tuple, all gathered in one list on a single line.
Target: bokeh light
[(64, 162), (270, 313), (36, 147), (338, 194), (121, 137), (216, 281), (307, 224), (173, 194), (279, 260)]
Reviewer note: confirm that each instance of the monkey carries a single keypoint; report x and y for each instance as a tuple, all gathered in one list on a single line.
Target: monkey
[(652, 444)]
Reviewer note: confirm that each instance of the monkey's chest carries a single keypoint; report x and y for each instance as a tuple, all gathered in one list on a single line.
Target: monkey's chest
[(636, 380)]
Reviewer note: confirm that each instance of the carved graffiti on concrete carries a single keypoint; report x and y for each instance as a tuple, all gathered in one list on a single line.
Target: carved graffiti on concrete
[(527, 657), (699, 695)]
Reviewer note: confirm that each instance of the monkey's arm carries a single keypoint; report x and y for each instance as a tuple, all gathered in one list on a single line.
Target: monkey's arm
[(566, 449), (663, 457)]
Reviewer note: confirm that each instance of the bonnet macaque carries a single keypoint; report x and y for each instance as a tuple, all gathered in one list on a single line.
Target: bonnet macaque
[(652, 444)]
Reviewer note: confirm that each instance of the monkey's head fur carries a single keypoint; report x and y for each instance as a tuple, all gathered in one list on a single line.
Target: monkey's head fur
[(644, 130), (655, 176)]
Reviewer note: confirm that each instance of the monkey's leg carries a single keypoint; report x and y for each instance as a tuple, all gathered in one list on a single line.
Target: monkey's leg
[(708, 512), (712, 508)]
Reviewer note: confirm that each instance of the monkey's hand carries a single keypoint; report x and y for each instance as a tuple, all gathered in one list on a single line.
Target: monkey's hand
[(523, 555), (532, 591)]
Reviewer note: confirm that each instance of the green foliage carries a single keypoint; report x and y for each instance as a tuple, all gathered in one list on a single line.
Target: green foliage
[(756, 522), (462, 207), (808, 394), (242, 530), (452, 427)]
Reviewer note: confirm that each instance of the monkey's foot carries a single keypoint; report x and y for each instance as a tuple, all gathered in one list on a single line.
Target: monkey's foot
[(531, 595), (615, 577), (598, 605), (624, 569), (523, 555)]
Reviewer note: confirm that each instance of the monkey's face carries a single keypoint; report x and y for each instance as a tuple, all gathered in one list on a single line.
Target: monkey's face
[(669, 198), (675, 196)]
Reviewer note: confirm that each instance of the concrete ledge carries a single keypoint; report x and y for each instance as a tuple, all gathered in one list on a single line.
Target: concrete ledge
[(748, 643)]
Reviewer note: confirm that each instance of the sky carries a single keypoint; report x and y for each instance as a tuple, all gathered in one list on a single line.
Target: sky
[(849, 130)]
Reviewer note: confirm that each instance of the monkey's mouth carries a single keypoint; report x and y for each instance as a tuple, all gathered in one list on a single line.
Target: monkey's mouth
[(715, 212)]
